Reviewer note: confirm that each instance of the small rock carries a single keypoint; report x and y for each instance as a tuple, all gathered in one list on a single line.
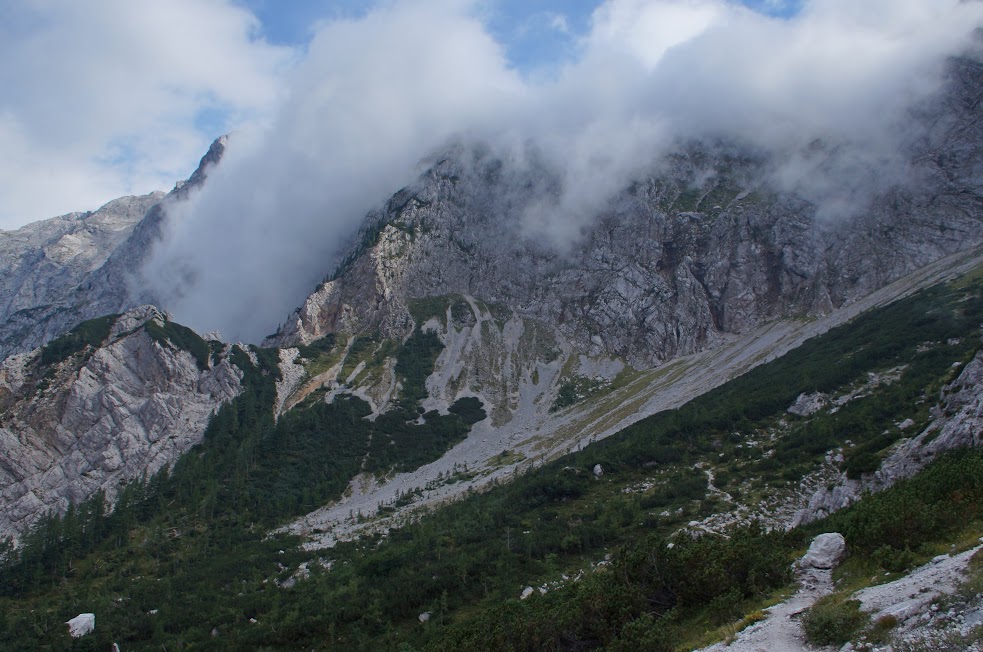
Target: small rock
[(526, 592), (424, 617), (598, 471)]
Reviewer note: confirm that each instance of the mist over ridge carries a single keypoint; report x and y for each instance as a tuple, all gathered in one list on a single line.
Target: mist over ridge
[(825, 97)]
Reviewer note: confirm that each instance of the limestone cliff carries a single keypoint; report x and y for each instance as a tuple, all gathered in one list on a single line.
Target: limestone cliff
[(77, 417)]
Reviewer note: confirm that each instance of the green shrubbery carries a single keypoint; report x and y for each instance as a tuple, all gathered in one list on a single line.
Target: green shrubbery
[(834, 620), (90, 333), (173, 335)]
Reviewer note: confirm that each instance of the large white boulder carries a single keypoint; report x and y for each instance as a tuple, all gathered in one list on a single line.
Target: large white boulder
[(827, 550), (81, 625)]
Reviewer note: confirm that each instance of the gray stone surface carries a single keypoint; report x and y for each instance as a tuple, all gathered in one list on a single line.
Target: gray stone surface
[(131, 407), (57, 273), (826, 551)]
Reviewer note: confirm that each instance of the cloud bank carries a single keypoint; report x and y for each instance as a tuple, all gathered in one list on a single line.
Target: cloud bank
[(374, 96)]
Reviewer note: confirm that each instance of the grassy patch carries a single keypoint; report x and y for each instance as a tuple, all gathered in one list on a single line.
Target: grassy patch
[(175, 336), (87, 335)]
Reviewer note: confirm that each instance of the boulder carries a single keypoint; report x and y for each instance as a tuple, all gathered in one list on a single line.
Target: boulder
[(827, 550), (81, 625)]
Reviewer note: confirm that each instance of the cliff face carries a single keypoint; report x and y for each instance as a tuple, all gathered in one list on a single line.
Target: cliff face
[(78, 419), (701, 248)]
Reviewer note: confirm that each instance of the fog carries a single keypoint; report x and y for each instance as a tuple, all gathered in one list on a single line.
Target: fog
[(373, 97)]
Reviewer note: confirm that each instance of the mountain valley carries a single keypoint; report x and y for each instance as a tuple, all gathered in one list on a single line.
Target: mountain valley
[(475, 435)]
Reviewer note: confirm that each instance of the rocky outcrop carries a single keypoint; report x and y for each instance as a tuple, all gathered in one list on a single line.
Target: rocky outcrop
[(701, 248), (104, 415), (957, 423), (57, 273)]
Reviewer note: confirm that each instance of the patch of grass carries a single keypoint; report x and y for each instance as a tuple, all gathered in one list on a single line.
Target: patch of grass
[(175, 336), (423, 309)]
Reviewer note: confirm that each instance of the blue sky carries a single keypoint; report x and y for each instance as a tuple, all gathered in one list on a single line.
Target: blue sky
[(537, 34)]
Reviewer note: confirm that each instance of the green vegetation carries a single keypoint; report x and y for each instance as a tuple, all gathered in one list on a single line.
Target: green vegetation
[(197, 546), (833, 620), (89, 334), (317, 348), (175, 336), (896, 528), (573, 390), (414, 362)]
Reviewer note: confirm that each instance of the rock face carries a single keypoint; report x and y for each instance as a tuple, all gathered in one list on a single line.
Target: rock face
[(75, 426), (701, 248), (57, 273), (44, 263)]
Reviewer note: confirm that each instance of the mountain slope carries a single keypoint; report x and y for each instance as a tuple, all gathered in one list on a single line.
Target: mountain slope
[(116, 399), (188, 565), (44, 263)]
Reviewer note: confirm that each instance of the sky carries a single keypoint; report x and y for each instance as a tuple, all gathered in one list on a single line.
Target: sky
[(333, 105)]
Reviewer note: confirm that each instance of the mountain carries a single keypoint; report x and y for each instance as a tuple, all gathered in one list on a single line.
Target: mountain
[(112, 401), (60, 272), (463, 411), (702, 248)]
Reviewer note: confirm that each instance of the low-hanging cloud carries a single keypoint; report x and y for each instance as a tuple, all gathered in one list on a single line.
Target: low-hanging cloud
[(376, 95)]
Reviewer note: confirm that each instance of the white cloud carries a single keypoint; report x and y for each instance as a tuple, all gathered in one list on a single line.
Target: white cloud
[(99, 98), (372, 96), (377, 94)]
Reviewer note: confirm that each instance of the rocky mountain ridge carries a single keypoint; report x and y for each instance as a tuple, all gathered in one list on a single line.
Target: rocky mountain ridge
[(111, 402), (703, 248), (57, 273)]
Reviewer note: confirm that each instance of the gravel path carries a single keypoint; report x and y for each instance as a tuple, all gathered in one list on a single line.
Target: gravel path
[(781, 630)]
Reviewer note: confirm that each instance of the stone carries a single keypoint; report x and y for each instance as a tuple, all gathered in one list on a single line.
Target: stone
[(825, 552), (807, 404), (598, 471), (424, 617), (648, 280), (81, 625), (526, 592)]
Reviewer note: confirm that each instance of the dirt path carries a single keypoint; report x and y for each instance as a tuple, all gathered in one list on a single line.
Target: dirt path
[(781, 630)]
